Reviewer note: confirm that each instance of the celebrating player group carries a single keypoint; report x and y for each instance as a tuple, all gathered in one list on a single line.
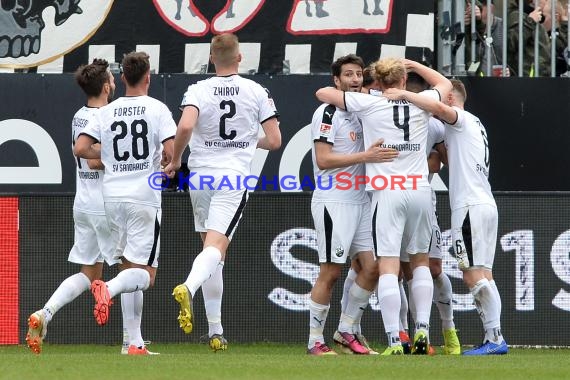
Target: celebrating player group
[(394, 123)]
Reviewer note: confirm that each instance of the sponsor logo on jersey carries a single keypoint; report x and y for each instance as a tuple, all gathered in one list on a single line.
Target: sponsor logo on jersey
[(325, 129)]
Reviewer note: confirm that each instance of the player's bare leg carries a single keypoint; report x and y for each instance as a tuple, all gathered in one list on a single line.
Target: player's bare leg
[(68, 290)]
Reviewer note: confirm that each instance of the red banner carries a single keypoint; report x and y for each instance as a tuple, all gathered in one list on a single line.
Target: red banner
[(9, 299)]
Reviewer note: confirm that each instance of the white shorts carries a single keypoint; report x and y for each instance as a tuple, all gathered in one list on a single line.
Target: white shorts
[(219, 209), (135, 231), (402, 222), (343, 230), (92, 240), (434, 244), (474, 234)]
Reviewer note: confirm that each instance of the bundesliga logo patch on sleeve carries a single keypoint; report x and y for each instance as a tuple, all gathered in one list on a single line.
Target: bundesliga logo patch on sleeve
[(325, 130)]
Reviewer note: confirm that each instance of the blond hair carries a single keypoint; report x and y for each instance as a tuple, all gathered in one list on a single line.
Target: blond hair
[(389, 72), (224, 49)]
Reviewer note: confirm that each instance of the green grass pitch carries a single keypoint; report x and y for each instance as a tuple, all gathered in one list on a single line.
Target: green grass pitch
[(270, 361)]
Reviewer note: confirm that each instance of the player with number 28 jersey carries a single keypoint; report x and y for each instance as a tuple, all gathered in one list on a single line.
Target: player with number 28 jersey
[(135, 126)]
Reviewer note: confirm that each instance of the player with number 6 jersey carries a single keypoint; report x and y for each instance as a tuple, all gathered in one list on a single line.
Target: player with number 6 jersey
[(474, 217)]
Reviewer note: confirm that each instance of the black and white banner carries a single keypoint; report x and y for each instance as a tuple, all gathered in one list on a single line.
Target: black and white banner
[(295, 36)]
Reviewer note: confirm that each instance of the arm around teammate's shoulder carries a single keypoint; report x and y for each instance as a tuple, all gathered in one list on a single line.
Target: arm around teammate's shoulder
[(332, 96), (446, 113)]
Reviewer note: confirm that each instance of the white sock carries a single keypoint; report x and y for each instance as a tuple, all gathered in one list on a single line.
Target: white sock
[(203, 267), (411, 304), (318, 317), (443, 298), (403, 307), (423, 294), (357, 302), (487, 306), (389, 301), (66, 292), (212, 290), (132, 307), (129, 280), (498, 295), (348, 281)]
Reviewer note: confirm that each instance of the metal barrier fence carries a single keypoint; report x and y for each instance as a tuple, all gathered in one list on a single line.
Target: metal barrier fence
[(526, 41)]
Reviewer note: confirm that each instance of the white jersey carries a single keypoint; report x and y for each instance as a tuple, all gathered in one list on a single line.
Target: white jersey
[(468, 156), (436, 135), (231, 111), (343, 131), (88, 195), (131, 131), (403, 126)]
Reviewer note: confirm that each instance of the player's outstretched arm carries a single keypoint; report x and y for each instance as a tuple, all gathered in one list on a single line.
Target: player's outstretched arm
[(86, 147), (439, 109), (272, 138), (183, 134), (332, 96)]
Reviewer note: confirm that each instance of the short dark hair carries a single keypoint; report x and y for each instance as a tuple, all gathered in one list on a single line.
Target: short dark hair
[(92, 77), (350, 58), (416, 83), (459, 87), (135, 66), (368, 76)]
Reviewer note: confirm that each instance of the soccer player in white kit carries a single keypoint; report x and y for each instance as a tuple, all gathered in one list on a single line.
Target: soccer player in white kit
[(342, 215), (91, 246), (132, 131), (474, 217), (443, 293), (401, 200), (221, 119)]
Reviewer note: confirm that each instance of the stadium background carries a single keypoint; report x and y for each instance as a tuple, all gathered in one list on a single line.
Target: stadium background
[(266, 283)]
